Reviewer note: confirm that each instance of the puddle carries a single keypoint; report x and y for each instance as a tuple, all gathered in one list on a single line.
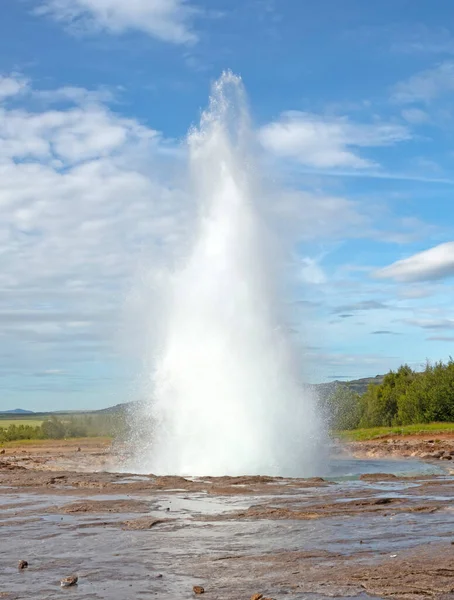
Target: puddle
[(350, 469)]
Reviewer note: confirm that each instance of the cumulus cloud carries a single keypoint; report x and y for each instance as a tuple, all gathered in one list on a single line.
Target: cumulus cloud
[(168, 20), (327, 142), (435, 263), (84, 200), (426, 85)]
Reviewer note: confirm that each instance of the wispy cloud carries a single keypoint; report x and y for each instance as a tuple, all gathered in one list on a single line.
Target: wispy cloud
[(421, 39), (415, 116), (328, 142), (360, 306), (168, 20), (426, 85), (384, 332), (435, 263), (431, 323)]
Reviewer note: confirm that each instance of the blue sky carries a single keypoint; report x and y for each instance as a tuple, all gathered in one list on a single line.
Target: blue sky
[(352, 105)]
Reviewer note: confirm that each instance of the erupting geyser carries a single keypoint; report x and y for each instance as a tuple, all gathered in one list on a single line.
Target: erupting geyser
[(225, 394)]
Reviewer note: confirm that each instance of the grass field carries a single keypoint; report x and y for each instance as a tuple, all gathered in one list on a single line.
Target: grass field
[(357, 435), (5, 423), (50, 443)]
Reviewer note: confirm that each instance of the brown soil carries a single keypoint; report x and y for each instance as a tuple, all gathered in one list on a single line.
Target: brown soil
[(428, 446)]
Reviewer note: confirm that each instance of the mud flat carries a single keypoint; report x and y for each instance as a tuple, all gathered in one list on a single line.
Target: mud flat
[(128, 536)]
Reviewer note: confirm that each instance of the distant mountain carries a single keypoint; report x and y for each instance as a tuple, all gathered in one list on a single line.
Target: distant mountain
[(17, 411)]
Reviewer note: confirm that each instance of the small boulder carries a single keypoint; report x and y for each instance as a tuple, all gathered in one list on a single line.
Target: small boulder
[(23, 564), (198, 589), (69, 581)]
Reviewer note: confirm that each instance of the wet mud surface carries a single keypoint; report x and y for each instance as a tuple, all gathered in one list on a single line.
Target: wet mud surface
[(128, 536)]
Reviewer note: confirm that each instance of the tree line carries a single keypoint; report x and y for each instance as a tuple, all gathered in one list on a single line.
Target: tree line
[(405, 397), (56, 428)]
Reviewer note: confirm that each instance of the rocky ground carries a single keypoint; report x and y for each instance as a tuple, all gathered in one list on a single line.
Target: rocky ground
[(132, 536), (426, 447)]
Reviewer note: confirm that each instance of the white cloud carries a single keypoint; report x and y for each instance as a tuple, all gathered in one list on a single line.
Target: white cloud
[(415, 116), (83, 199), (168, 20), (11, 86), (327, 142), (316, 216), (426, 85), (431, 323), (435, 263), (311, 272)]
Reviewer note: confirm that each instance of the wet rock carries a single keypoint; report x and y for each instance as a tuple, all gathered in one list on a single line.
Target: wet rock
[(142, 523), (23, 564), (198, 589), (378, 477), (446, 457), (104, 506), (69, 581), (10, 466)]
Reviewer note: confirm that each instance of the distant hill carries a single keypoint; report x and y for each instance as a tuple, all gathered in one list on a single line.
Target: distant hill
[(357, 385), (324, 390), (114, 409), (17, 411)]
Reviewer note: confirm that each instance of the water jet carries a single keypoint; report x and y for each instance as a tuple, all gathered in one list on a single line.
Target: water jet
[(224, 390)]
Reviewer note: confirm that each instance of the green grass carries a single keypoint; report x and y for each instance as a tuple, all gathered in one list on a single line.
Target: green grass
[(358, 435), (5, 423), (49, 442)]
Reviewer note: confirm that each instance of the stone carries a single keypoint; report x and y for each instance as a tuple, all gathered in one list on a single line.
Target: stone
[(69, 581), (198, 589), (23, 564), (257, 597)]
